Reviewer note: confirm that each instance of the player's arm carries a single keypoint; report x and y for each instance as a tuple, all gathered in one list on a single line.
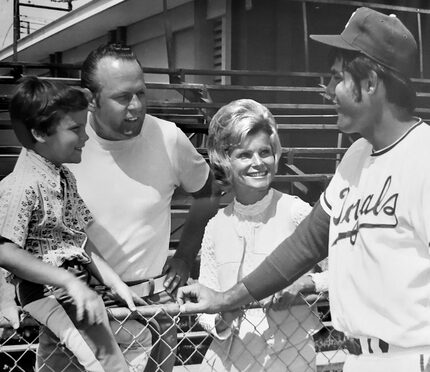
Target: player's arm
[(292, 258), (204, 206)]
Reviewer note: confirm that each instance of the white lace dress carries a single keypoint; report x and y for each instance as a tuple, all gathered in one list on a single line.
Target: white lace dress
[(236, 241)]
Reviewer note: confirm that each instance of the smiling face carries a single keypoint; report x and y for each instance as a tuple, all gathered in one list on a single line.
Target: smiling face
[(66, 143), (253, 167), (119, 107)]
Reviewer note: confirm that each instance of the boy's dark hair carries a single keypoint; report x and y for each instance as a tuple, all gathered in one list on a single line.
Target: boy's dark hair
[(40, 104), (89, 66), (399, 88)]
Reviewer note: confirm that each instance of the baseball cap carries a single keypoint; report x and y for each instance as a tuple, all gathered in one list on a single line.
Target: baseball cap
[(383, 38)]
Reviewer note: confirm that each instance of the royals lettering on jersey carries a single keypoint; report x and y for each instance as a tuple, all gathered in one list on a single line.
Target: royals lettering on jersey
[(377, 210), (379, 261)]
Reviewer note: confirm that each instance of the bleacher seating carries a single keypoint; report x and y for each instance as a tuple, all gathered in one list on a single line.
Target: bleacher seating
[(312, 144)]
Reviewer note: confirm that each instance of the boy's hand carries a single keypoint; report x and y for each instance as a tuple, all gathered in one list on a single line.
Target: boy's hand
[(123, 292), (11, 314), (87, 302)]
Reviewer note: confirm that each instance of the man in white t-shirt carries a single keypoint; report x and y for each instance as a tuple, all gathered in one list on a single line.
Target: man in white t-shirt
[(373, 217), (131, 166)]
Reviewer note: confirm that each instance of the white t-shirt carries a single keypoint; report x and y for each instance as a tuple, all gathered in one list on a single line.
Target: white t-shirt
[(128, 186), (379, 260)]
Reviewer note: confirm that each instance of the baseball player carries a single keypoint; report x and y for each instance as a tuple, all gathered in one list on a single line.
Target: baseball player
[(374, 216)]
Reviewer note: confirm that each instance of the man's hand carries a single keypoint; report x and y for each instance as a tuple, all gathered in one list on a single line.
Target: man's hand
[(205, 300), (89, 304), (177, 271)]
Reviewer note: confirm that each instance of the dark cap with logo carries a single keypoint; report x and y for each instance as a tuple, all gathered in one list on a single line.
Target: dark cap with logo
[(383, 38)]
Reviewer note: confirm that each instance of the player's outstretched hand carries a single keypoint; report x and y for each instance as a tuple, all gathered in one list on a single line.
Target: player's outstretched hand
[(89, 305), (197, 298)]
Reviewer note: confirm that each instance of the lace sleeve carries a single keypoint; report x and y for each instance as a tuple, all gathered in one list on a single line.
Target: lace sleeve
[(299, 210), (209, 278), (321, 281)]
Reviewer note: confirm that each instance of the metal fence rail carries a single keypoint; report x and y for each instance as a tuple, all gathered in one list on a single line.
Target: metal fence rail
[(18, 348)]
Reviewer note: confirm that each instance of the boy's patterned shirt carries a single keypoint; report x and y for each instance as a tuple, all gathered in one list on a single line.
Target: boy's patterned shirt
[(42, 212)]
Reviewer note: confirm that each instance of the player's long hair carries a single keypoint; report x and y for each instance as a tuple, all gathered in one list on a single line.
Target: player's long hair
[(398, 87)]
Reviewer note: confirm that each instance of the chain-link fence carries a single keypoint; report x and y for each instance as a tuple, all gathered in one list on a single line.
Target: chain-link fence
[(196, 348)]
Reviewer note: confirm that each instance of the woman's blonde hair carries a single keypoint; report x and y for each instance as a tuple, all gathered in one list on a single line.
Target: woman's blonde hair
[(229, 127)]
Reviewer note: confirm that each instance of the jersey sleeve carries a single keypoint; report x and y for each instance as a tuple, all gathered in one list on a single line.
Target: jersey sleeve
[(191, 168), (350, 162), (328, 196), (18, 201)]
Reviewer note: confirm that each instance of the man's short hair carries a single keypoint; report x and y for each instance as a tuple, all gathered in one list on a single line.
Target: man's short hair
[(89, 66), (40, 105), (229, 127)]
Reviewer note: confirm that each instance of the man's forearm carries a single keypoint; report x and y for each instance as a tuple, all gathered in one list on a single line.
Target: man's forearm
[(99, 268), (201, 211), (294, 256), (235, 297)]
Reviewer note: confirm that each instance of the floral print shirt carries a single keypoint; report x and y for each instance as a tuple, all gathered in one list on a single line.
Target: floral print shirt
[(42, 212)]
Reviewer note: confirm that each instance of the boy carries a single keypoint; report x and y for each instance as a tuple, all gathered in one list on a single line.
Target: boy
[(42, 223)]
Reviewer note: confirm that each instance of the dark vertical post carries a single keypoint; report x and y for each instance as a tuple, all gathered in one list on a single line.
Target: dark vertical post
[(111, 37), (121, 35), (171, 62), (305, 36), (420, 43), (16, 29)]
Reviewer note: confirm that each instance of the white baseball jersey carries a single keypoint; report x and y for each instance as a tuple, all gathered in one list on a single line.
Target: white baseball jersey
[(379, 260)]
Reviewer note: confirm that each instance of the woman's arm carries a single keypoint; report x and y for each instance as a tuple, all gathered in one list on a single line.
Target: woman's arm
[(217, 324)]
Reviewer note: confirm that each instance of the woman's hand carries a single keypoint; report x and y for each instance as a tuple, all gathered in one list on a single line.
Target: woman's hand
[(225, 319)]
